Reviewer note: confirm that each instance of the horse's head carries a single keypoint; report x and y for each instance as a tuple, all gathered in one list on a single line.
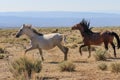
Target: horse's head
[(77, 27), (23, 30), (82, 26)]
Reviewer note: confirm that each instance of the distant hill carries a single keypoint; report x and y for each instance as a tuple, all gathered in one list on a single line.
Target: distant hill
[(57, 19)]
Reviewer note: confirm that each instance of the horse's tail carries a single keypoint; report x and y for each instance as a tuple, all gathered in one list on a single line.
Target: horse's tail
[(117, 38), (64, 39)]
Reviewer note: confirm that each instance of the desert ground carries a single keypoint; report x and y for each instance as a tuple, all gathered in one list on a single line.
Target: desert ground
[(85, 68)]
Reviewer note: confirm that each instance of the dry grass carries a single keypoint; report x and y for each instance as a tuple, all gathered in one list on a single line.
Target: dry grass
[(100, 55), (102, 66), (115, 67), (25, 66), (67, 66), (86, 49), (85, 68)]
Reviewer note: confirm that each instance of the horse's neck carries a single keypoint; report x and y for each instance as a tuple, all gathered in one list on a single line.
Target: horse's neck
[(85, 34), (32, 35), (91, 35), (82, 33)]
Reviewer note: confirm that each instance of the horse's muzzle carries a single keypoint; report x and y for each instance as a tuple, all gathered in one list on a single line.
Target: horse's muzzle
[(72, 28), (17, 36)]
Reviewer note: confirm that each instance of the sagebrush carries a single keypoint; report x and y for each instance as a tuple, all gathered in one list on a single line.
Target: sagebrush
[(67, 66), (25, 67)]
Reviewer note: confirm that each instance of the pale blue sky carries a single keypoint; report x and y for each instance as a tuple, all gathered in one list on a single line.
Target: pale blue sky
[(112, 6)]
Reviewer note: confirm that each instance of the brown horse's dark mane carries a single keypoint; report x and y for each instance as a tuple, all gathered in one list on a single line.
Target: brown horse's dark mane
[(35, 31), (86, 26)]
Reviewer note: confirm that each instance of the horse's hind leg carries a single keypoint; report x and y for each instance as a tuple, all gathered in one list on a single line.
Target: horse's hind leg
[(31, 48), (113, 46), (89, 49), (81, 48), (64, 50), (106, 45), (40, 51)]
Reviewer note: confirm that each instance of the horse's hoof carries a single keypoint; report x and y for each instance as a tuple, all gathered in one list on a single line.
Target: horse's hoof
[(81, 54), (67, 49), (65, 59), (89, 56), (42, 59), (24, 54)]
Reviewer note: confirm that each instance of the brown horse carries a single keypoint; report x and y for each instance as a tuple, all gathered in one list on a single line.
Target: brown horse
[(92, 38)]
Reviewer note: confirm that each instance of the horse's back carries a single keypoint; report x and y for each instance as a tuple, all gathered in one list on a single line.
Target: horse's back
[(49, 41), (53, 36)]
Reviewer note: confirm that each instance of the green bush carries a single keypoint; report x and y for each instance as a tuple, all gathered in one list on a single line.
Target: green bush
[(2, 56), (3, 53), (100, 55), (67, 66), (26, 66), (73, 46), (102, 66), (1, 50), (115, 67)]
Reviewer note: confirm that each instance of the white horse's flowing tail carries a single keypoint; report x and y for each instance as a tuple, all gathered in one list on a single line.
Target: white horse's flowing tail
[(64, 38), (64, 41)]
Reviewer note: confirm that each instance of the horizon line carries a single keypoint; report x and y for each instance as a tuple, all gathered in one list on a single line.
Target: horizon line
[(64, 11)]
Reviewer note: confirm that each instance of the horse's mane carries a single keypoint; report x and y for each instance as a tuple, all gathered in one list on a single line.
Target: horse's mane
[(35, 31), (86, 26), (85, 23)]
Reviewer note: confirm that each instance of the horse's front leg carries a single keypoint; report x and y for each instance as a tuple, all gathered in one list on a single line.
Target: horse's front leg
[(40, 51), (89, 49), (64, 50), (31, 48), (81, 48)]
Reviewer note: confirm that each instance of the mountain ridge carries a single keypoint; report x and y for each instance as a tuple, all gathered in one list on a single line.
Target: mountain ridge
[(57, 19)]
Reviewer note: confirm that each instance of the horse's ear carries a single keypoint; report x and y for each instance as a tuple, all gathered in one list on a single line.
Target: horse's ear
[(88, 24), (83, 20), (30, 26), (23, 25), (91, 28)]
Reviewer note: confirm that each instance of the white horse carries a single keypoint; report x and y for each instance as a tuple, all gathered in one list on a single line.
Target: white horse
[(42, 41)]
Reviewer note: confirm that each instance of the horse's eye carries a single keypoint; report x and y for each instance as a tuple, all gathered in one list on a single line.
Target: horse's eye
[(20, 29)]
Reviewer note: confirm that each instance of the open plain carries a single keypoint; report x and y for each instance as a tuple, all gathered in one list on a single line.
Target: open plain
[(85, 68)]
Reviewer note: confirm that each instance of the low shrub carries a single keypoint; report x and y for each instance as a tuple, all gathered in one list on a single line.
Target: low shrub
[(115, 67), (67, 66), (72, 46), (1, 50), (100, 55), (102, 66), (25, 66), (2, 56)]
